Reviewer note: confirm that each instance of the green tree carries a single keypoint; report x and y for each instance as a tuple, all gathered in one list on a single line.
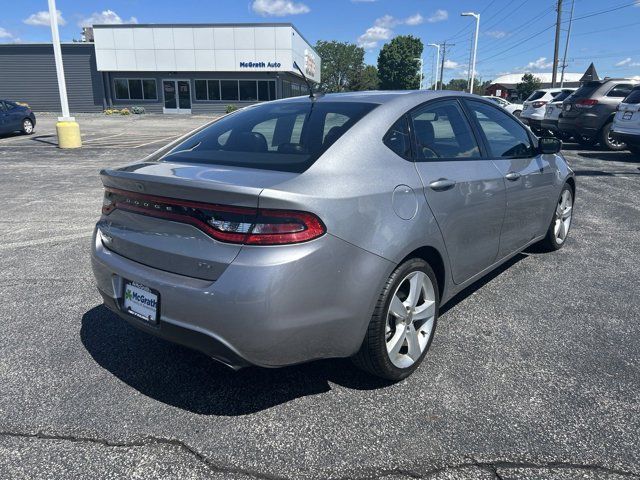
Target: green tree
[(342, 63), (367, 79), (462, 85), (529, 85), (398, 64)]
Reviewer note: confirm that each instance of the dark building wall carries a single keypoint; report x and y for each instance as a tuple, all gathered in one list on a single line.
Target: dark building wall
[(28, 74)]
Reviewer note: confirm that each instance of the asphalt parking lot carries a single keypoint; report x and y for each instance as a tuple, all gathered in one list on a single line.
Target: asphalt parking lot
[(533, 373)]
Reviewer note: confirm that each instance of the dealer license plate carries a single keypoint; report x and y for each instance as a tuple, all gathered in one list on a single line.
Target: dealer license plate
[(140, 301)]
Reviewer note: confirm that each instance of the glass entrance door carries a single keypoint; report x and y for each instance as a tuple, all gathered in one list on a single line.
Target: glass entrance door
[(177, 96)]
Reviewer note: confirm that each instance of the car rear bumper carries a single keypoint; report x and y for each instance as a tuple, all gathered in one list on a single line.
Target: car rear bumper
[(587, 125), (272, 306), (628, 138)]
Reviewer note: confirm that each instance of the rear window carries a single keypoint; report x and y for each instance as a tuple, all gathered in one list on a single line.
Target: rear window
[(538, 94), (634, 97), (586, 90), (274, 136), (563, 96)]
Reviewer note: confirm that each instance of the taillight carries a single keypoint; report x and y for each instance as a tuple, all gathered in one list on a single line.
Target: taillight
[(539, 104), (243, 225), (586, 103)]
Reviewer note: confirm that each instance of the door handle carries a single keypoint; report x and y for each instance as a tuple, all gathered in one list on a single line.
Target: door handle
[(442, 184), (512, 176)]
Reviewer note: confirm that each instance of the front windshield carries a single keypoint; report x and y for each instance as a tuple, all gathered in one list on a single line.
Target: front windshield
[(286, 136)]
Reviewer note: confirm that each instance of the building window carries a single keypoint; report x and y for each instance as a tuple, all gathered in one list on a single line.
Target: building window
[(242, 90), (229, 89), (207, 89), (248, 90), (135, 89)]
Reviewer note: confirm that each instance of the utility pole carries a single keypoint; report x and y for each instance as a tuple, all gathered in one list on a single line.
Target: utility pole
[(474, 50), (556, 51), (566, 46), (444, 56), (434, 76)]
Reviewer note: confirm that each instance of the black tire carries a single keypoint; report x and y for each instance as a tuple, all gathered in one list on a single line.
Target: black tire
[(372, 356), (27, 126), (608, 142), (550, 243)]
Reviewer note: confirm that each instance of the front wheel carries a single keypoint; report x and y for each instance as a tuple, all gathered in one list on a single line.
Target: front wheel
[(403, 323), (27, 126), (608, 141), (561, 223)]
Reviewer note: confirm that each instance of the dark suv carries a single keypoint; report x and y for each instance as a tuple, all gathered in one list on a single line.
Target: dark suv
[(587, 115)]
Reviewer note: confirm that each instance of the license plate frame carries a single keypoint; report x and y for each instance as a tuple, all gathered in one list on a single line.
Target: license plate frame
[(141, 302)]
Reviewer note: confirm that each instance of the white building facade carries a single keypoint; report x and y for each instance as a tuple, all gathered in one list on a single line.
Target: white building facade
[(202, 68)]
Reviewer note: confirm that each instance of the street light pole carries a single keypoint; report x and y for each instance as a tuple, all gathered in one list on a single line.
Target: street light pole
[(475, 47), (435, 85), (421, 63), (67, 128)]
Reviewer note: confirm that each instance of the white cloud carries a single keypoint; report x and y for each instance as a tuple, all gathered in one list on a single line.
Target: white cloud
[(451, 65), (382, 29), (623, 63), (438, 16), (536, 65), (369, 39), (42, 19), (416, 19), (498, 34), (278, 8), (106, 17), (4, 33)]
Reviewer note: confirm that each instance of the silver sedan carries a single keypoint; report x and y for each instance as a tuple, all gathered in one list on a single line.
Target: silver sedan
[(332, 226)]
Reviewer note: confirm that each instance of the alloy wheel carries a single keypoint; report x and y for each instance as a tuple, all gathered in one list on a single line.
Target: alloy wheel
[(614, 142), (27, 126), (410, 319), (564, 211)]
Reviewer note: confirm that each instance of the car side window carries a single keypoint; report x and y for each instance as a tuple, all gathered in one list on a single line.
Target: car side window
[(2, 106), (441, 130), (9, 106), (505, 136), (398, 139), (620, 91)]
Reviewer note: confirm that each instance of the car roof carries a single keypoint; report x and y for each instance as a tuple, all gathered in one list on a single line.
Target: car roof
[(381, 96)]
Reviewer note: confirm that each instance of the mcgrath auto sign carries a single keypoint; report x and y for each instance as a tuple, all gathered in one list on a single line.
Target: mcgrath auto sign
[(260, 64)]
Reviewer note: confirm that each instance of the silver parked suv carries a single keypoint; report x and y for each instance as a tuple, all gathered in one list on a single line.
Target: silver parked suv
[(334, 226), (587, 115)]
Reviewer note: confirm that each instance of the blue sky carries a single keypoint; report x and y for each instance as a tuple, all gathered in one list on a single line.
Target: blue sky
[(516, 35)]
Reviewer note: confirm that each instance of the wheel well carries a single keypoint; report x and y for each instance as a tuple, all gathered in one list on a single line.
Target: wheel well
[(572, 183), (434, 259)]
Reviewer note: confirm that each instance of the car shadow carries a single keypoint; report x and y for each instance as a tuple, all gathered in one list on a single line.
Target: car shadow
[(623, 156), (189, 380), (462, 295)]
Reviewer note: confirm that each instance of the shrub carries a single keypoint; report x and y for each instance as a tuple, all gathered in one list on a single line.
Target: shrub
[(137, 110), (111, 111), (231, 108), (125, 111)]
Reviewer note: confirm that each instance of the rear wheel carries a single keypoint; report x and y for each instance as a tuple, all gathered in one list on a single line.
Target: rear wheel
[(608, 141), (517, 113), (403, 323), (27, 126), (561, 223)]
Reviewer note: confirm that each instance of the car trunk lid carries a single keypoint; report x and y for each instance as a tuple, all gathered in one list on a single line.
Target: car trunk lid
[(148, 227)]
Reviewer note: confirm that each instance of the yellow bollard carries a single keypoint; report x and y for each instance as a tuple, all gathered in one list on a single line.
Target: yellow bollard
[(68, 134)]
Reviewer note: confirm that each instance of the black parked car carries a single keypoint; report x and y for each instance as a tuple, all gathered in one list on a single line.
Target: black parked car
[(16, 118), (587, 115)]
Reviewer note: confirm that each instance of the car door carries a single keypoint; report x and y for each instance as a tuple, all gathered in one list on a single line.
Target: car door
[(465, 191), (528, 177), (3, 127), (13, 117)]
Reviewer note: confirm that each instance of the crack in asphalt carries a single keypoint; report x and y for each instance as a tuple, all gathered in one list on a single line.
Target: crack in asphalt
[(492, 467)]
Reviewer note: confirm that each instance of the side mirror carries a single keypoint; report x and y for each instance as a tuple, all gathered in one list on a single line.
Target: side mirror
[(549, 145)]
